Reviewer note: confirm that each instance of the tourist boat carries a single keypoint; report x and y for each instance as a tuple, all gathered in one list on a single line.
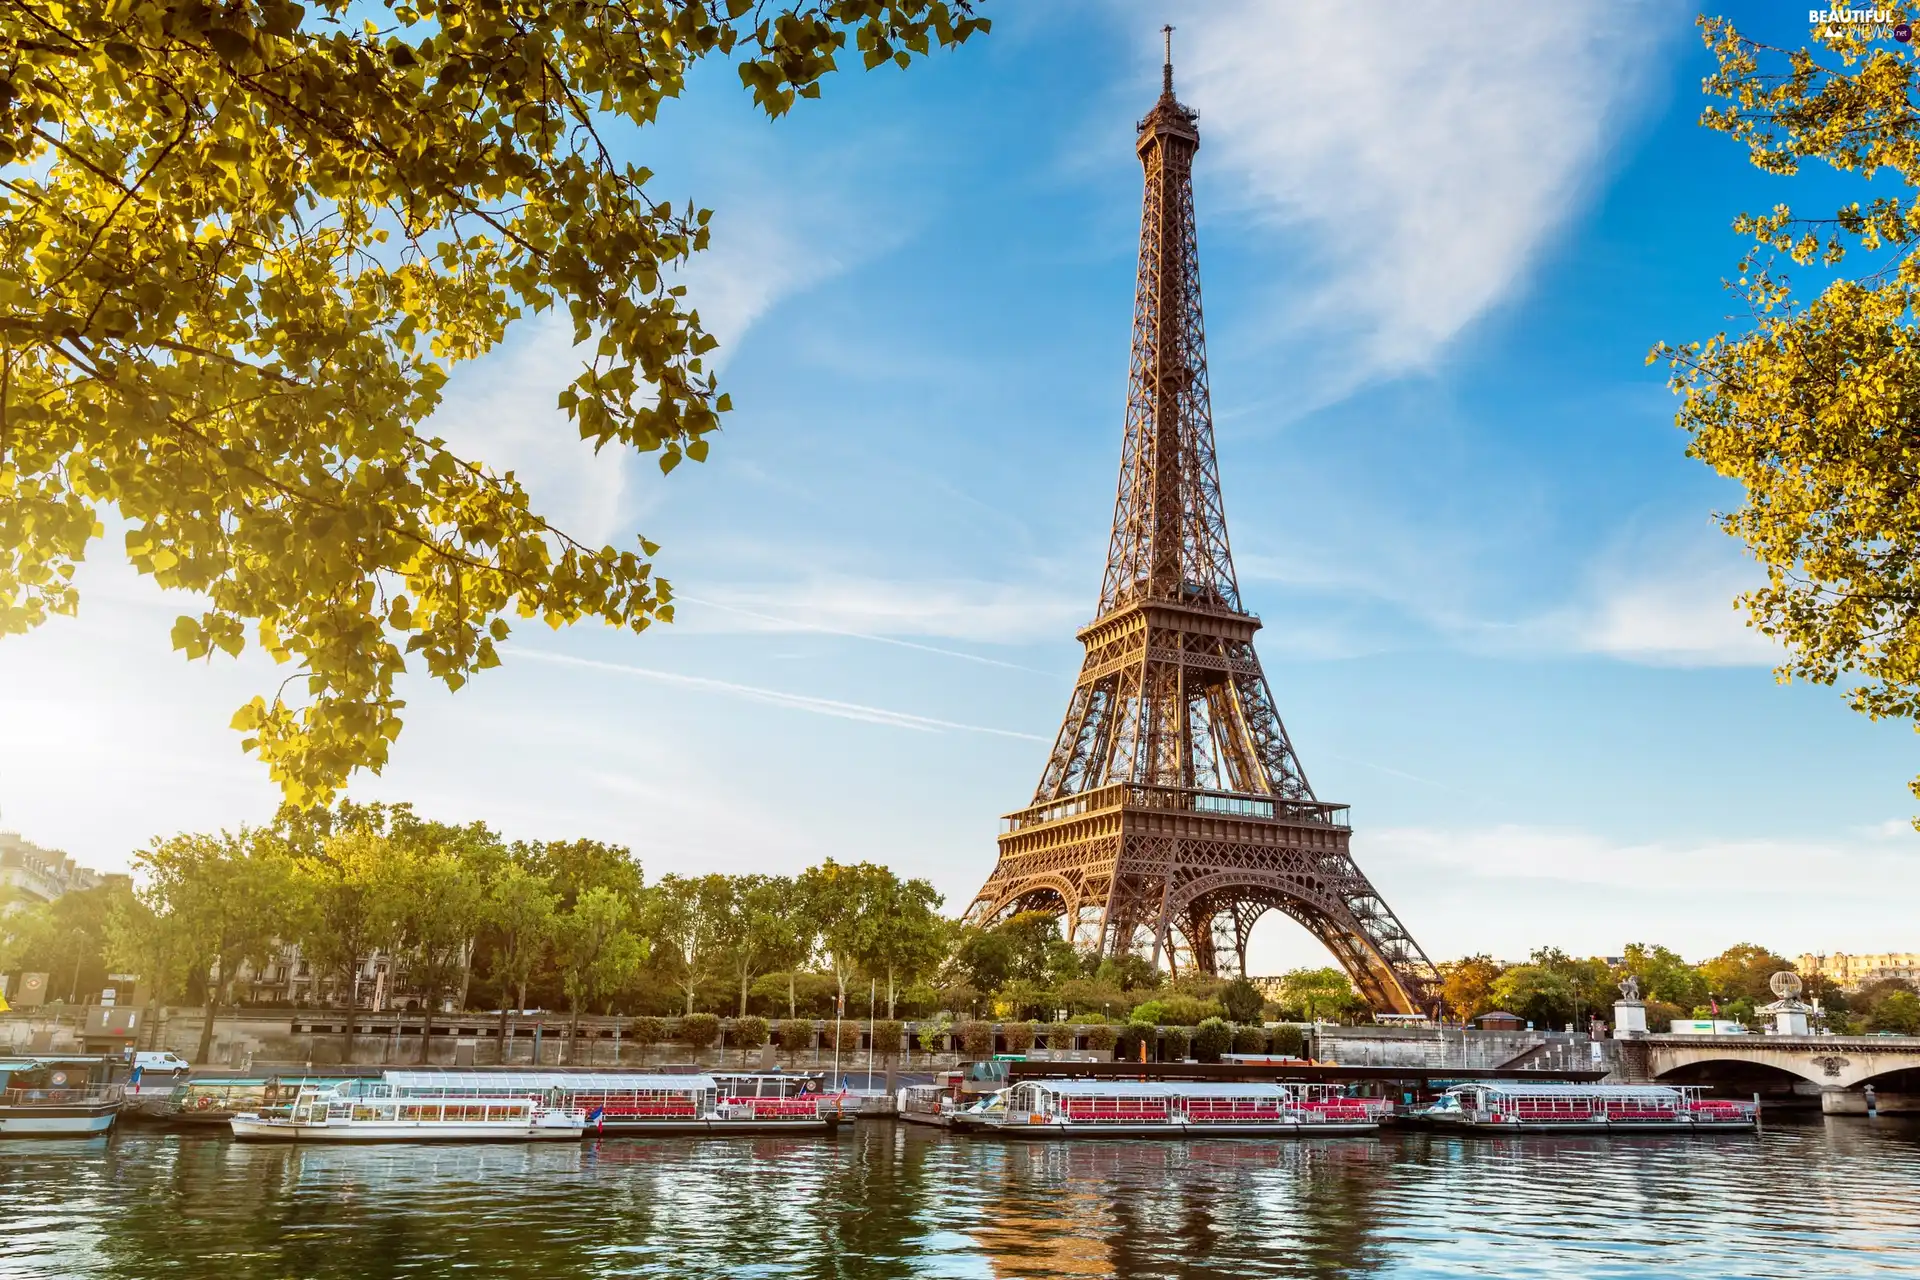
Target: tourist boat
[(57, 1097), (1174, 1109), (649, 1103), (928, 1104), (212, 1102), (987, 1110), (367, 1111), (1514, 1106)]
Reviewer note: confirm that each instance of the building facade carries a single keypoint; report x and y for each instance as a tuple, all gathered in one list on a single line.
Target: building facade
[(30, 874), (1851, 972)]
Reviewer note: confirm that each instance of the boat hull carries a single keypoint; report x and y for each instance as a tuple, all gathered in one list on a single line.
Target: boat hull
[(684, 1127), (1495, 1128), (253, 1129), (75, 1121), (1170, 1129), (931, 1120)]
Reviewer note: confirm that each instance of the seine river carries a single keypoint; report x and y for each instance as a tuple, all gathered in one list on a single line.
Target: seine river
[(1811, 1198)]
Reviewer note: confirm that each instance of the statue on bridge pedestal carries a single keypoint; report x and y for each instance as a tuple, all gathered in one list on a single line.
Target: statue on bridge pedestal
[(1630, 988), (1629, 1012)]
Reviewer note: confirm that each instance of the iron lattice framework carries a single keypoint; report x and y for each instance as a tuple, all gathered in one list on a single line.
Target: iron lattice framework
[(1173, 812)]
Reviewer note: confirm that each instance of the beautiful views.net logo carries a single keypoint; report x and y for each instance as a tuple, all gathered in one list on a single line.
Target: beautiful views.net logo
[(1832, 20)]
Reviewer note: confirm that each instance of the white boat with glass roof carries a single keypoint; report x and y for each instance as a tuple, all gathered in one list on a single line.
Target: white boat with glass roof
[(1174, 1109), (374, 1111), (650, 1102), (1521, 1106)]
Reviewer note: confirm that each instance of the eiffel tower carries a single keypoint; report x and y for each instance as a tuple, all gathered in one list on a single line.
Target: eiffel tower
[(1173, 812)]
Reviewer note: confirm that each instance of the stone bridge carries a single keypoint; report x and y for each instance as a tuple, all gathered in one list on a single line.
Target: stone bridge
[(1836, 1068)]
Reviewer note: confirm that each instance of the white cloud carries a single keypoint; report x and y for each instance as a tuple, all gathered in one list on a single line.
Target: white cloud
[(1426, 152), (1508, 889)]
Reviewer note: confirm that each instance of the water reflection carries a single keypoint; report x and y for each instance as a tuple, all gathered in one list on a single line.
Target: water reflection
[(1841, 1197)]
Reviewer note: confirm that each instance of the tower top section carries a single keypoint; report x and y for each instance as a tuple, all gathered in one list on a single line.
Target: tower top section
[(1168, 116)]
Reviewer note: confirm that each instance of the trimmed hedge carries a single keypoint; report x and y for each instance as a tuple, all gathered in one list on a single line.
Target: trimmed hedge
[(1290, 1042), (1018, 1036), (1174, 1043), (1211, 1039), (1249, 1039), (648, 1031), (698, 1030), (849, 1036), (797, 1035), (975, 1038), (1132, 1037), (749, 1032), (887, 1037), (1104, 1036)]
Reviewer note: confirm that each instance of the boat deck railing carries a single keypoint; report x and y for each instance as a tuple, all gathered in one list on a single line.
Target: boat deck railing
[(60, 1097)]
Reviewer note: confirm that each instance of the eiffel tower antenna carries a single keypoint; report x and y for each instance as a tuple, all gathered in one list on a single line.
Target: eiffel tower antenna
[(1172, 812)]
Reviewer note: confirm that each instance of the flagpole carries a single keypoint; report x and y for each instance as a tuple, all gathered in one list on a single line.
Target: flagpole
[(839, 1010), (873, 993)]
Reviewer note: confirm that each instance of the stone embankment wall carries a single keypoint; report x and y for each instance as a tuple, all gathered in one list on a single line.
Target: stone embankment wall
[(1436, 1048)]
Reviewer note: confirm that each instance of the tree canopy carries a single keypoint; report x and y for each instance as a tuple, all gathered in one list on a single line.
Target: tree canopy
[(1815, 406), (242, 246)]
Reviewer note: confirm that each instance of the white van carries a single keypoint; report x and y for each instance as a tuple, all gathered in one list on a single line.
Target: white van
[(167, 1060)]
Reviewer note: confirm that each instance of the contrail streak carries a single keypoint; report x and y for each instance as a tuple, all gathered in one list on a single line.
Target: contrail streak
[(795, 624), (779, 698)]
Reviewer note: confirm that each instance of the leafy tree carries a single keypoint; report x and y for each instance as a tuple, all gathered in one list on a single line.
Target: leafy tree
[(241, 248), (750, 1032), (1092, 996), (597, 950), (1466, 985), (1242, 1001), (843, 902), (1176, 1009), (232, 895), (1743, 970), (442, 898), (683, 916), (1128, 972), (571, 867), (1102, 1037), (149, 943), (1895, 1011), (1814, 406), (1319, 993), (349, 909), (1664, 976), (903, 937), (983, 958), (67, 939), (521, 911), (752, 927), (698, 1030)]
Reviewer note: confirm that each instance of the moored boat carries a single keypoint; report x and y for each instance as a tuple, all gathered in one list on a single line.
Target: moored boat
[(1176, 1109), (1520, 1106), (57, 1098), (212, 1102), (372, 1112), (637, 1103), (928, 1104)]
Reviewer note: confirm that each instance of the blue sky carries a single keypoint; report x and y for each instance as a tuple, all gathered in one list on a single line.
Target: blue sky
[(1435, 251)]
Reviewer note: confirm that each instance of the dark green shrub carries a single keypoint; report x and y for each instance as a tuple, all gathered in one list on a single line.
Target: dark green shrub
[(1174, 1042), (1104, 1036), (796, 1035), (1018, 1036), (648, 1031), (1249, 1039), (1242, 1000), (887, 1037), (1290, 1042), (698, 1030), (1132, 1037), (1211, 1039), (749, 1032), (975, 1038)]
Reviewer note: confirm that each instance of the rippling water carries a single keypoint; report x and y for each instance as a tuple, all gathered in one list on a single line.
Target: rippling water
[(1839, 1197)]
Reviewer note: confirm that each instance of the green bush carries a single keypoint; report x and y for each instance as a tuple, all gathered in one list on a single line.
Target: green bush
[(849, 1036), (1104, 1036), (796, 1035), (1018, 1036), (975, 1038), (933, 1033), (1174, 1042), (648, 1031), (1211, 1039), (887, 1037), (1249, 1039), (1135, 1035), (1176, 1010), (749, 1032), (1290, 1042), (698, 1030)]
